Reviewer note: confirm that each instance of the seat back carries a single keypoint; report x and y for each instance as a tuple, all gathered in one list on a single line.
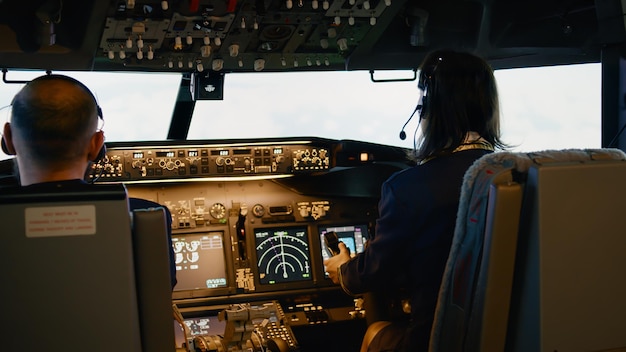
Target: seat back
[(475, 296), (151, 253), (569, 290), (67, 275), (83, 274)]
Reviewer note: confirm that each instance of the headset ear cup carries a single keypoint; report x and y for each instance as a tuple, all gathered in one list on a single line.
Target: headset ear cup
[(5, 148)]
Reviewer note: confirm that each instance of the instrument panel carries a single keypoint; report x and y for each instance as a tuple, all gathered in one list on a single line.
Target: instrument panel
[(251, 236), (248, 222), (198, 161)]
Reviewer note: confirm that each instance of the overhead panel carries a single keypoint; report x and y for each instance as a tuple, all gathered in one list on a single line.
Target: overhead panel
[(231, 36)]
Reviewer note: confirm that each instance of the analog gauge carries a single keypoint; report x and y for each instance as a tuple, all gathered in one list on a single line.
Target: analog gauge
[(258, 210), (218, 211)]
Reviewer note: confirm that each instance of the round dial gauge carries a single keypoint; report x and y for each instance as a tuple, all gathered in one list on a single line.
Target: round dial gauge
[(258, 210), (218, 211)]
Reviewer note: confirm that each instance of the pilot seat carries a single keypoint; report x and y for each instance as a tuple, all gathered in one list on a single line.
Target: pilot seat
[(537, 258), (80, 273)]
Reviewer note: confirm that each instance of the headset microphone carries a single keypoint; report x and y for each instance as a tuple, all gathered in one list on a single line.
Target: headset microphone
[(402, 133)]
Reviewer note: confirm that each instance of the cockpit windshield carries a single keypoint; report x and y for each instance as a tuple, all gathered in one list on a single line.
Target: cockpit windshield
[(542, 108)]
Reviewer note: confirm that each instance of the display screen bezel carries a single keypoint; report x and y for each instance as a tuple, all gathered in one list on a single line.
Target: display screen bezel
[(180, 291), (347, 232)]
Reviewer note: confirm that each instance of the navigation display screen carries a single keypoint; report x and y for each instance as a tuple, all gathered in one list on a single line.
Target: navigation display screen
[(282, 254)]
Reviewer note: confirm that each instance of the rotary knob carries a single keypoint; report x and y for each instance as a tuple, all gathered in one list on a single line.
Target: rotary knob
[(258, 210)]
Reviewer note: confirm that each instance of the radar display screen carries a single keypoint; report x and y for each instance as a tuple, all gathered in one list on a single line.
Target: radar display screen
[(282, 255)]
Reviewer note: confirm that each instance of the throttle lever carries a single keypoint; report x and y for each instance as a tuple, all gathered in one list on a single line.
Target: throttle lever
[(332, 242)]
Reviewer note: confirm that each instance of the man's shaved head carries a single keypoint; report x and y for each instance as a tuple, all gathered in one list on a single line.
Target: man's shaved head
[(56, 115)]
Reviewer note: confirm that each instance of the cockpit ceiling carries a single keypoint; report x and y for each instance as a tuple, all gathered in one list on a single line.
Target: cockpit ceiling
[(299, 35)]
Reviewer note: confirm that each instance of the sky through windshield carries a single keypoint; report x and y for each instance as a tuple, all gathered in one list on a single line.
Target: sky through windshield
[(542, 108)]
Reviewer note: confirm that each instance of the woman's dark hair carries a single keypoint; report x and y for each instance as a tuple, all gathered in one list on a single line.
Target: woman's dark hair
[(460, 96)]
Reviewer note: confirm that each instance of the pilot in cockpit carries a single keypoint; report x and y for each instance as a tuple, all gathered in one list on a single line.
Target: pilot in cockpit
[(459, 120), (55, 134)]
